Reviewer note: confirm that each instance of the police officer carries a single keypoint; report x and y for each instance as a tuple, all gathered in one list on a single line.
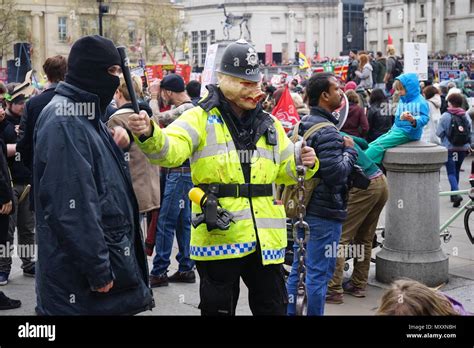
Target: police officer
[(237, 151)]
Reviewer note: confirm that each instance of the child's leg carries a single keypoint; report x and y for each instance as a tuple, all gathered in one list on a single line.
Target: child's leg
[(377, 148)]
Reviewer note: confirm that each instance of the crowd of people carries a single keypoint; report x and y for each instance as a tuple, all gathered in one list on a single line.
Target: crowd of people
[(86, 184)]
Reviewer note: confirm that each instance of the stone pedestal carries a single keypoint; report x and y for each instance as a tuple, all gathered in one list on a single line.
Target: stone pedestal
[(412, 246)]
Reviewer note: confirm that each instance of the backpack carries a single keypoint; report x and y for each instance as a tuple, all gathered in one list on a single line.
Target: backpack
[(459, 132), (397, 68), (289, 194)]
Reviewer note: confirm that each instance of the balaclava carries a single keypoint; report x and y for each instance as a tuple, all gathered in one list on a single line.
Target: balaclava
[(88, 62)]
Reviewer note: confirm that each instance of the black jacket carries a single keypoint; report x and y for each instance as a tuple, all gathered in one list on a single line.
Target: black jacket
[(6, 193), (21, 174), (329, 199), (379, 123), (33, 109), (87, 220)]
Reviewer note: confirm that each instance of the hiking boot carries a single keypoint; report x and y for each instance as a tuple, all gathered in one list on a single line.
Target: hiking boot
[(334, 298), (353, 290), (183, 277), (457, 199), (157, 281), (8, 303), (4, 278), (29, 272)]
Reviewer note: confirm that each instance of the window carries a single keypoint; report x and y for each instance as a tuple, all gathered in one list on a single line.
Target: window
[(213, 36), (471, 7), (153, 38), (421, 38), (62, 29), (422, 10), (388, 17), (204, 35), (131, 32), (299, 26), (89, 26), (452, 8), (470, 40), (194, 36), (195, 52), (452, 43), (22, 31), (275, 23), (203, 52)]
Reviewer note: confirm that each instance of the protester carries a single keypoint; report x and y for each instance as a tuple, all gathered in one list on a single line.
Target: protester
[(220, 137), (193, 88), (22, 219), (353, 66), (356, 123), (409, 297), (326, 210), (411, 116), (391, 62), (379, 80), (90, 249), (145, 176), (378, 115), (175, 213), (363, 211), (364, 73), (431, 94), (456, 152)]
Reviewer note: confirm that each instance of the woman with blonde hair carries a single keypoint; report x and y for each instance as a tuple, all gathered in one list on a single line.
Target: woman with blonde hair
[(409, 297), (365, 72)]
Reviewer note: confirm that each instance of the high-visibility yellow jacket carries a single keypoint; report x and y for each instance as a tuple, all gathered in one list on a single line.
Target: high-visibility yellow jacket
[(205, 139)]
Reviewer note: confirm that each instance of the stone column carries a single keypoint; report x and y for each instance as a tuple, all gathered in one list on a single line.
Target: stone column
[(340, 26), (412, 20), (291, 35), (412, 246), (405, 25), (439, 25), (379, 10), (322, 35), (429, 25), (38, 52), (309, 35)]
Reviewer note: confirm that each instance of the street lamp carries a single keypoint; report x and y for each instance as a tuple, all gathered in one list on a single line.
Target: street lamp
[(413, 34), (103, 9), (297, 56), (349, 40)]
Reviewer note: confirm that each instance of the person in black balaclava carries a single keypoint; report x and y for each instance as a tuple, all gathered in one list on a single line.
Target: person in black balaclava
[(91, 259), (88, 70)]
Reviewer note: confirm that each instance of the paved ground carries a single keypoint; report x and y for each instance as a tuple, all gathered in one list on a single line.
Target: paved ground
[(183, 299)]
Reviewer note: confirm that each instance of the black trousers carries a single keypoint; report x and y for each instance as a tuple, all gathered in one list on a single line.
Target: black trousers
[(219, 286)]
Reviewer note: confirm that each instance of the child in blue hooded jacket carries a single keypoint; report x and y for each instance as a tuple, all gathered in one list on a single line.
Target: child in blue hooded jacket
[(411, 116)]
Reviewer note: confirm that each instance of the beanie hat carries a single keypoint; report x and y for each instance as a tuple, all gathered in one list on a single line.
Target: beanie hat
[(350, 85), (173, 83)]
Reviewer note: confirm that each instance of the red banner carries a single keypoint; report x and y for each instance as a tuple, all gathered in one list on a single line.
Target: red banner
[(302, 47), (268, 54), (285, 110), (184, 71), (154, 72)]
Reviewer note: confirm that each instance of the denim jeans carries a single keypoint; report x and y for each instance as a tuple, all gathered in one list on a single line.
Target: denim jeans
[(453, 167), (320, 260), (175, 215)]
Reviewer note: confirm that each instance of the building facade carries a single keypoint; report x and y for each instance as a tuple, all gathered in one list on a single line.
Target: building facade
[(52, 26), (446, 26), (276, 28)]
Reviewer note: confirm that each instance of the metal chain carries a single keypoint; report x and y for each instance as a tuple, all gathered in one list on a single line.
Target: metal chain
[(301, 295)]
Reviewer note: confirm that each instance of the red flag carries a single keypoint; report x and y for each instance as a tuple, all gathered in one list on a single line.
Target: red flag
[(285, 110), (389, 40)]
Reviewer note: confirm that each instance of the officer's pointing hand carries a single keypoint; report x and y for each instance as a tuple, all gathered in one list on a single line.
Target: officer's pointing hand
[(308, 156), (140, 124)]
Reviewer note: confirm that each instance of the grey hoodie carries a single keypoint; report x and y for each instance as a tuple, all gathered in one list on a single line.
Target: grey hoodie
[(365, 77)]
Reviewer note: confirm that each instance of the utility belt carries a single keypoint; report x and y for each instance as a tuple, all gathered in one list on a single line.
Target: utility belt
[(213, 215), (238, 190), (181, 170)]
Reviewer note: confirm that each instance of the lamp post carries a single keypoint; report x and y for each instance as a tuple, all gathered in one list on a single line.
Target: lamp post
[(413, 34), (297, 56), (349, 40), (103, 9)]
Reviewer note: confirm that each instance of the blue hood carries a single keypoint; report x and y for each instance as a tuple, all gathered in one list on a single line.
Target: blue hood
[(412, 86)]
